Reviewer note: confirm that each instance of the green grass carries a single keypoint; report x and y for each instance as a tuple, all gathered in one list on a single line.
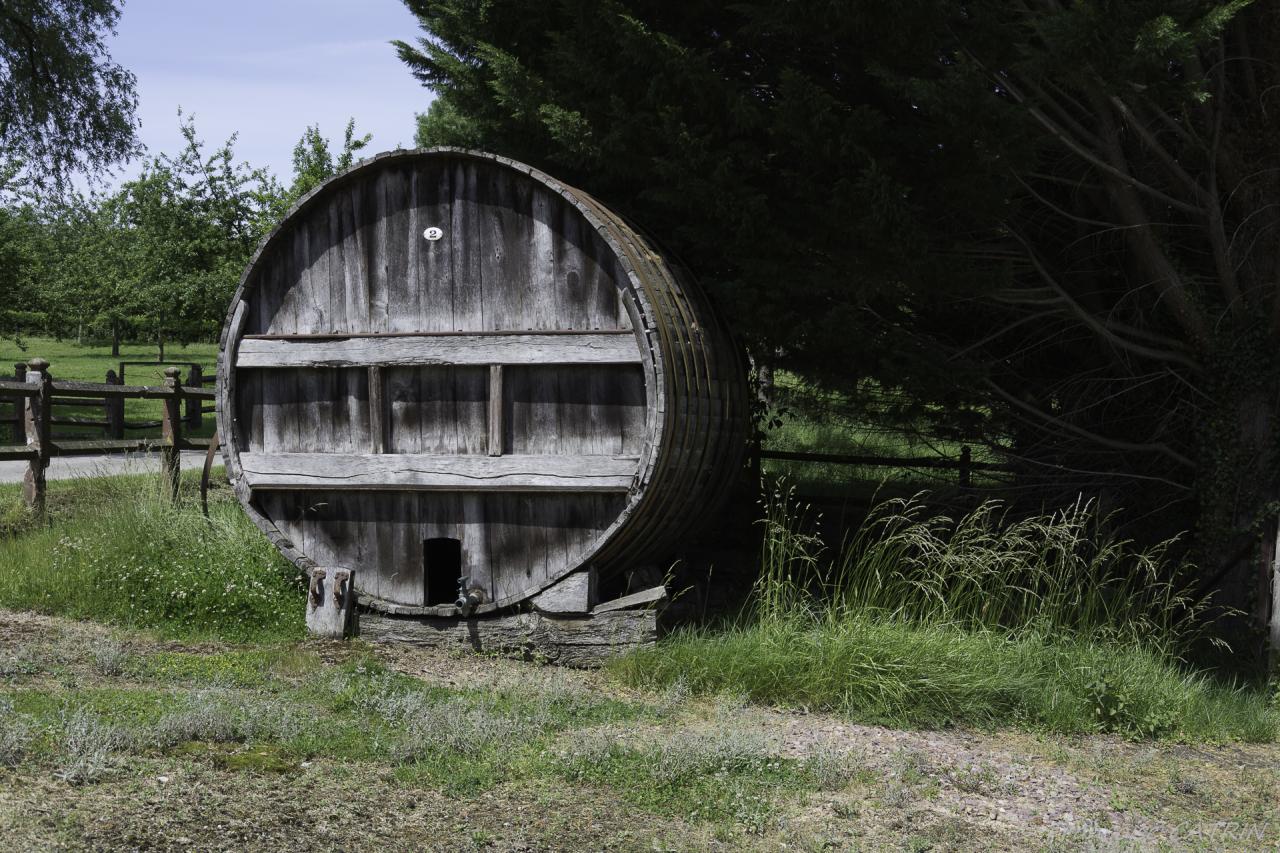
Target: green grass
[(124, 554), (986, 621), (812, 420), (909, 675), (721, 776), (90, 363)]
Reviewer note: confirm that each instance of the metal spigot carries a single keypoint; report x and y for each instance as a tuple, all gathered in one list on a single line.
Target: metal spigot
[(468, 598)]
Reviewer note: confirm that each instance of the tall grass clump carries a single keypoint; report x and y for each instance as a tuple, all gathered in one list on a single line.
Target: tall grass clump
[(1047, 622), (1061, 571), (129, 555)]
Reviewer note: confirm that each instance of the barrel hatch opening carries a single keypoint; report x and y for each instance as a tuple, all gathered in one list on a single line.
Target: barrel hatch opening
[(441, 569)]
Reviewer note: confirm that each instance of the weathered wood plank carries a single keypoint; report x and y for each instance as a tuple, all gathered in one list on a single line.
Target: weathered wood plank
[(400, 246), (583, 641), (467, 250), (375, 248), (515, 348), (437, 409), (635, 599), (542, 284), (145, 392), (496, 419), (434, 257), (19, 389), (503, 234), (93, 446), (18, 453), (396, 522), (573, 593), (395, 472), (377, 411)]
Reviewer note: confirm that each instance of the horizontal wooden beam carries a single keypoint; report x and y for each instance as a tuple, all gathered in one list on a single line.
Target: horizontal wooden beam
[(17, 453), (142, 392), (21, 389), (89, 447), (879, 461), (423, 472), (408, 350)]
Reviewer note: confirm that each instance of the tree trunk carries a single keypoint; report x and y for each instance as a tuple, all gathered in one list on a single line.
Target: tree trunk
[(160, 343), (764, 371), (1237, 530), (115, 338)]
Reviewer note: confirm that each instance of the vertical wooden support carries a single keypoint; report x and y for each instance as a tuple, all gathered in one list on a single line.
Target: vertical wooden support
[(171, 433), (38, 426), (331, 603), (113, 409), (19, 406), (1271, 563), (496, 425), (195, 379), (377, 422), (966, 467)]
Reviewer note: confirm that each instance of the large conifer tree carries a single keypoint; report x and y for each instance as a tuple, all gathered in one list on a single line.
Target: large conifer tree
[(1055, 223)]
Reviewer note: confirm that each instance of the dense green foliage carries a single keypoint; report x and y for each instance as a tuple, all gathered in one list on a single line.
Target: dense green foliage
[(1047, 226), (158, 258), (65, 106), (922, 620)]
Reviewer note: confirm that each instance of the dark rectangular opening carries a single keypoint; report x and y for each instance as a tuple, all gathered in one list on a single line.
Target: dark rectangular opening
[(441, 570)]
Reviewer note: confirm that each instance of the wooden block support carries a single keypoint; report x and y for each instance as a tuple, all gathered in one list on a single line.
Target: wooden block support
[(573, 593), (331, 603), (171, 432)]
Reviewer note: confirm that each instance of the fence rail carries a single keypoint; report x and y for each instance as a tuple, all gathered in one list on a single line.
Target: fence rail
[(34, 393), (108, 397), (964, 464)]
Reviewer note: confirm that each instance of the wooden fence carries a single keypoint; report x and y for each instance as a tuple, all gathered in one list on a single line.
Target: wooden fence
[(112, 423), (34, 394), (964, 465)]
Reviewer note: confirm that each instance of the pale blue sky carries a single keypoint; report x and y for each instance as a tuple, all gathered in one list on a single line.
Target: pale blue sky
[(267, 69)]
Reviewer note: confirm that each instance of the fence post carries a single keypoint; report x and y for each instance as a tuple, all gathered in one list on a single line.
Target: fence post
[(113, 409), (38, 427), (171, 432), (19, 406), (195, 379), (966, 467)]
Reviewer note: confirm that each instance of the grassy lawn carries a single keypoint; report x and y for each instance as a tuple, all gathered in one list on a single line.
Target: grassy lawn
[(188, 710), (71, 361), (118, 551), (816, 421), (116, 739)]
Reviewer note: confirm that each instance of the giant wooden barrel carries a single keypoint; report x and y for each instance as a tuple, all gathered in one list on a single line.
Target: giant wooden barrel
[(447, 364)]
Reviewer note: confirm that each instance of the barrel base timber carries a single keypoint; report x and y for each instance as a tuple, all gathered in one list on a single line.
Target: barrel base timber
[(577, 641)]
